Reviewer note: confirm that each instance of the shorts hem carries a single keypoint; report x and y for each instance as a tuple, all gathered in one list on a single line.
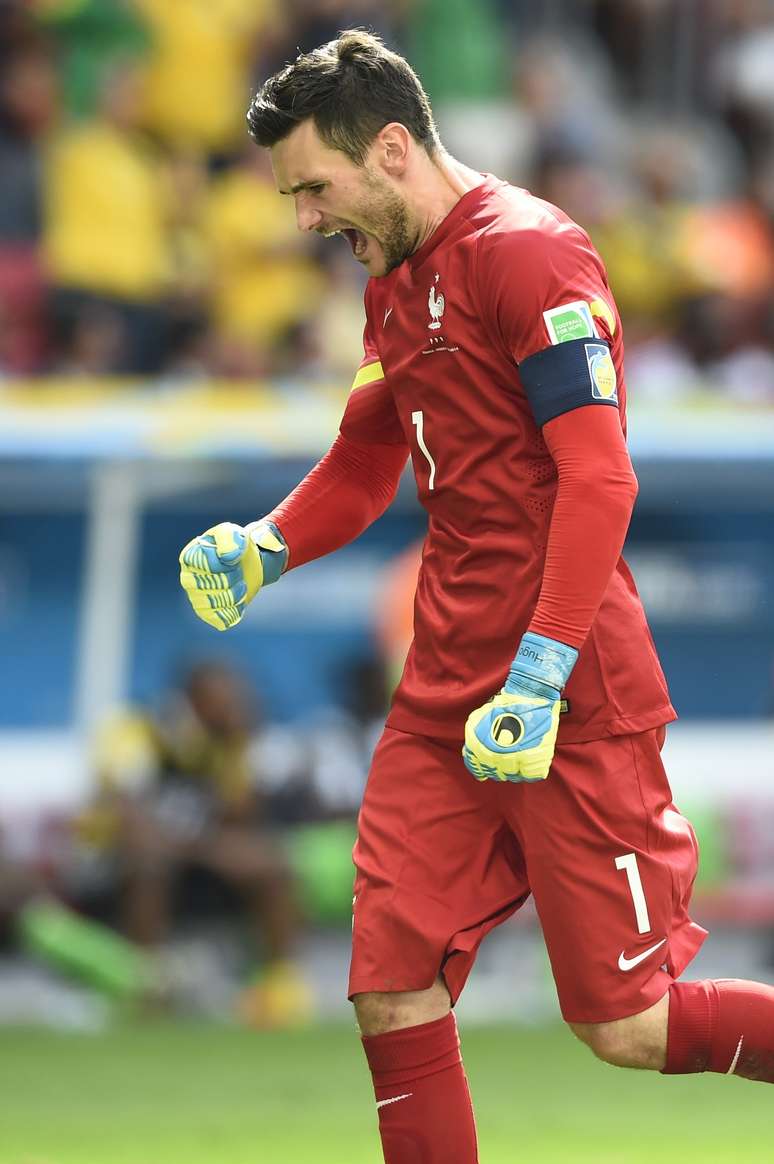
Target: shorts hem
[(656, 990), (376, 985), (684, 948)]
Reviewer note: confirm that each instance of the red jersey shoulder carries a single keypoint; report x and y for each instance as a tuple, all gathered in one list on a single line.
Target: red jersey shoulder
[(541, 280)]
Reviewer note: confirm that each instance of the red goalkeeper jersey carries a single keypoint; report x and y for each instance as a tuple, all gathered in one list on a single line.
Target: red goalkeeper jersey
[(498, 332), (505, 276)]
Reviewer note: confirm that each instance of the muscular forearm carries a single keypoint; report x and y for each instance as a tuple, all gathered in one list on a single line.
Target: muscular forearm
[(594, 501), (343, 494)]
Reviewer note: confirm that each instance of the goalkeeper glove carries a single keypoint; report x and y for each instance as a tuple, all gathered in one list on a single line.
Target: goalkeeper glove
[(513, 736), (225, 567)]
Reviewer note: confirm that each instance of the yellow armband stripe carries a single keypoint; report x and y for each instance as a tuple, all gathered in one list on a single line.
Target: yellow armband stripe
[(602, 310), (368, 374)]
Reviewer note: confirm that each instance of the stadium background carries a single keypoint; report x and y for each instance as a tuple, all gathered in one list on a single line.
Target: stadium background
[(173, 353)]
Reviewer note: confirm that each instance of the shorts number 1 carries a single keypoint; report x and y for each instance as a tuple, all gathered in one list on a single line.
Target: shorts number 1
[(629, 862), (418, 419)]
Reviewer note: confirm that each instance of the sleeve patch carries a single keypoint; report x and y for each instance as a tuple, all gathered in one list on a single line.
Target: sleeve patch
[(368, 374), (571, 375), (570, 321), (604, 382)]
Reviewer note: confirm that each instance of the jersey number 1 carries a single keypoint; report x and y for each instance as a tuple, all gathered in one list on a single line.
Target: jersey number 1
[(628, 863), (418, 419)]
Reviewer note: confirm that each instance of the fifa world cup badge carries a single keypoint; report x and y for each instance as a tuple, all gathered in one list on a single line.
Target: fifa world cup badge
[(604, 383)]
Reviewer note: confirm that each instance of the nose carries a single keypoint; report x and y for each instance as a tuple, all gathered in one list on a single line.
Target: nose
[(307, 218)]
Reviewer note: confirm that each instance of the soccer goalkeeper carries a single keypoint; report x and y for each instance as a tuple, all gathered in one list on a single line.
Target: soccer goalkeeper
[(522, 750)]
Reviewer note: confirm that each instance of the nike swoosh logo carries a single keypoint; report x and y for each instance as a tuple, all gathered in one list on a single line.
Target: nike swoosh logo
[(387, 315), (735, 1059), (625, 963), (395, 1099)]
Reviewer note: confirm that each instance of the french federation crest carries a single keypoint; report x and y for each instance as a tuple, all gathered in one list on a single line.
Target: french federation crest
[(435, 305)]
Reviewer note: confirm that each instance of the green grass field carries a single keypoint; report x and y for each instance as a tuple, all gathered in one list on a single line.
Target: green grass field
[(172, 1094)]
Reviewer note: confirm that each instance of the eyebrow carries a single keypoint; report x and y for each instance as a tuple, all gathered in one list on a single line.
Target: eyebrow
[(304, 185)]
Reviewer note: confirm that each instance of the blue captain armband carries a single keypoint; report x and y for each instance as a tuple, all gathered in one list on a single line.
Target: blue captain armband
[(569, 375)]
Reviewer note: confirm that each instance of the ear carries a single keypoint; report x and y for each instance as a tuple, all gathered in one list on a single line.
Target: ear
[(392, 148)]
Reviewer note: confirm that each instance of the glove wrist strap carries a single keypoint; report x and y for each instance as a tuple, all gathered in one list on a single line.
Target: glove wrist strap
[(272, 547), (541, 666)]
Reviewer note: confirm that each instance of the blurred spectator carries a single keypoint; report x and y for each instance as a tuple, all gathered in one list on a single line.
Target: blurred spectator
[(91, 36), (19, 881), (188, 247), (458, 50), (188, 348), (334, 334), (197, 85), (634, 231), (744, 76), (179, 805), (107, 206), (463, 59), (265, 281), (303, 25), (28, 109), (690, 262), (318, 774), (568, 90), (169, 252), (90, 338)]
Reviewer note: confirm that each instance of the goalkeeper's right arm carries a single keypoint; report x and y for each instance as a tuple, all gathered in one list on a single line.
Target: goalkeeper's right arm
[(223, 569)]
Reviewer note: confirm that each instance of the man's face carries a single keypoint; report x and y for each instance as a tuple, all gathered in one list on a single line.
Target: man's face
[(334, 195)]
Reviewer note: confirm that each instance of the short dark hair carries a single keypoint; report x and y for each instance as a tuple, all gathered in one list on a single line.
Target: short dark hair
[(352, 87)]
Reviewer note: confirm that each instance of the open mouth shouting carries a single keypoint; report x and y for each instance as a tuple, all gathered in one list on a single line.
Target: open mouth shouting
[(357, 239)]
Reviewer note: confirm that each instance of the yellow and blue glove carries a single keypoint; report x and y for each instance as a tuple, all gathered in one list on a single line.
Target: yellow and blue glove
[(225, 567), (513, 736)]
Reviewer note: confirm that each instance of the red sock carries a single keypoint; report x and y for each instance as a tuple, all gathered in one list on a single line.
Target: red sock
[(725, 1026), (425, 1113)]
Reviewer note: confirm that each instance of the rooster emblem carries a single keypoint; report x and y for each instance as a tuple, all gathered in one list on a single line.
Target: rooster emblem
[(436, 305)]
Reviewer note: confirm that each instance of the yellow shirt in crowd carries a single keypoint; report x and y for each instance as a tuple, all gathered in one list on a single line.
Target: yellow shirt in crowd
[(264, 278), (198, 74), (105, 214)]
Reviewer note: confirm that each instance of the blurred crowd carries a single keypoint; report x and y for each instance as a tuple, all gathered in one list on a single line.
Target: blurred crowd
[(140, 232), (211, 842)]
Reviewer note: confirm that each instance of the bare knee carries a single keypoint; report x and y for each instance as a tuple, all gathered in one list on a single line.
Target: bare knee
[(380, 1012), (637, 1041)]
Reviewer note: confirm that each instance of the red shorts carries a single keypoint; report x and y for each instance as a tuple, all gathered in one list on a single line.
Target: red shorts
[(441, 860)]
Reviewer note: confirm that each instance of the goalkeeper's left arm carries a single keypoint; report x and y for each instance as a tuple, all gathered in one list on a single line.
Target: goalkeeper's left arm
[(513, 736), (223, 569)]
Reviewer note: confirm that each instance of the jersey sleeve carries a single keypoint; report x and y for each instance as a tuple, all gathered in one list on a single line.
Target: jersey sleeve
[(546, 296), (343, 494), (370, 416), (352, 485), (593, 506)]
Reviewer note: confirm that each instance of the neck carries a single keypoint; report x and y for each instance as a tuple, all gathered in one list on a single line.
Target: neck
[(438, 190)]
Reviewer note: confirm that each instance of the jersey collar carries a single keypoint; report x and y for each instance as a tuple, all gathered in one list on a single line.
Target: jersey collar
[(467, 204)]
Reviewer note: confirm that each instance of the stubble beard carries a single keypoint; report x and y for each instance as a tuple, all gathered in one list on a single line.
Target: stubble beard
[(385, 216)]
